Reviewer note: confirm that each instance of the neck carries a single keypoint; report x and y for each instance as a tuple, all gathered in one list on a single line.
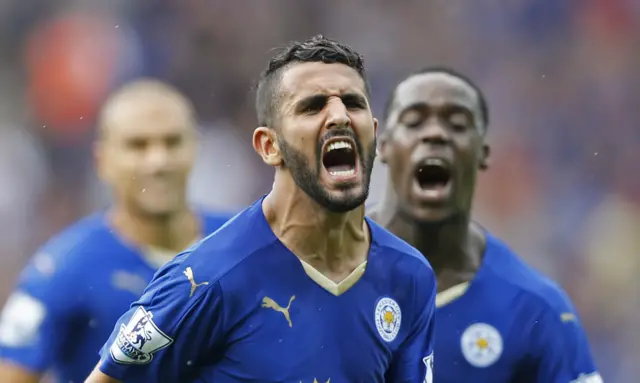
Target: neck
[(173, 232), (326, 240), (454, 246)]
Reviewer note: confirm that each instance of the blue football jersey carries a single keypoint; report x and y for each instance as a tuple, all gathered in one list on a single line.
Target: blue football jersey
[(241, 307), (71, 294), (510, 324)]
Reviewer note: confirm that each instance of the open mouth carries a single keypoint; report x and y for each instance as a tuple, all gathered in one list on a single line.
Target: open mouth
[(433, 174), (339, 158)]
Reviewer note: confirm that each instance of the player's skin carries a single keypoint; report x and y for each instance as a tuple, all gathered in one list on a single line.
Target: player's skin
[(334, 243), (436, 118), (317, 100), (144, 154)]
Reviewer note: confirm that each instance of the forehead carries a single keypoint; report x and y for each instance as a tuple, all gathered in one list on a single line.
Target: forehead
[(306, 79), (434, 90), (148, 116)]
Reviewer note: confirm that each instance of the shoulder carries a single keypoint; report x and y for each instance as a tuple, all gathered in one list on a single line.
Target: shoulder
[(212, 221), (230, 248), (61, 252), (192, 282), (52, 281), (78, 236), (405, 262), (541, 292)]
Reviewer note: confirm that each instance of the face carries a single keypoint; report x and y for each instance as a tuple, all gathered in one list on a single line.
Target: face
[(434, 146), (147, 152), (326, 134)]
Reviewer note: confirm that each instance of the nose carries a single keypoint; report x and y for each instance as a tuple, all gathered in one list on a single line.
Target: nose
[(434, 133), (337, 114), (157, 156)]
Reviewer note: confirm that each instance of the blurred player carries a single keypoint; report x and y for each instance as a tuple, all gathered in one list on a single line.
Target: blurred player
[(497, 319), (77, 286), (299, 287)]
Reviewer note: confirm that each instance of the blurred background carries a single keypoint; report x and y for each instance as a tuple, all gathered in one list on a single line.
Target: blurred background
[(562, 79)]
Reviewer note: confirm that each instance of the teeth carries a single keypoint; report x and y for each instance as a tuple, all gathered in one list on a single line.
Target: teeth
[(435, 162), (343, 173), (339, 145)]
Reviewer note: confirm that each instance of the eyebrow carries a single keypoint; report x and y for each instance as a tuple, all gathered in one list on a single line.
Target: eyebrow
[(356, 97), (317, 99), (310, 101), (448, 106)]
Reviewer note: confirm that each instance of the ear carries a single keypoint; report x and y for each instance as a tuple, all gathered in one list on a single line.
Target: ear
[(99, 159), (375, 126), (265, 144), (383, 147), (484, 159)]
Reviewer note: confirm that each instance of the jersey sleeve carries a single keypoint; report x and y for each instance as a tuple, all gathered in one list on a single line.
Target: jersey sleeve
[(36, 318), (172, 329), (561, 350), (413, 361)]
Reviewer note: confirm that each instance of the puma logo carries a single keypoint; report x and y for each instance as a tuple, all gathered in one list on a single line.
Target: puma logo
[(271, 304), (189, 274)]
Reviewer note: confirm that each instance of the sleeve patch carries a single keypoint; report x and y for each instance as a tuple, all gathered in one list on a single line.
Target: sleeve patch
[(20, 320), (139, 339)]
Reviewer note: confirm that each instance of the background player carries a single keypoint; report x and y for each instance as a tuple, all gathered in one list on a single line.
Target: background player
[(299, 287), (73, 291), (498, 320)]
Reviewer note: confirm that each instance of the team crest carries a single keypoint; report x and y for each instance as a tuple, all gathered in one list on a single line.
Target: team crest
[(388, 318), (481, 345), (139, 339)]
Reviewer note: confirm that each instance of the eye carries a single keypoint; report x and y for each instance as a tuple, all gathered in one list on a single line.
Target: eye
[(173, 141), (354, 102), (136, 144), (313, 105), (411, 118), (459, 121)]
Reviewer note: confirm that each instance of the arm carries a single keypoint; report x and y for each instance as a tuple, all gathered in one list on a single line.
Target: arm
[(98, 376), (561, 350), (33, 324), (168, 333), (11, 373), (413, 361)]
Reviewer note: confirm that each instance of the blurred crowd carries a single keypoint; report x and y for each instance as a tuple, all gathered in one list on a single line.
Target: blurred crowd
[(561, 78)]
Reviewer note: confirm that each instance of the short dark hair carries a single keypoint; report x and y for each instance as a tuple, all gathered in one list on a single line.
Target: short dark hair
[(315, 49), (482, 102)]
